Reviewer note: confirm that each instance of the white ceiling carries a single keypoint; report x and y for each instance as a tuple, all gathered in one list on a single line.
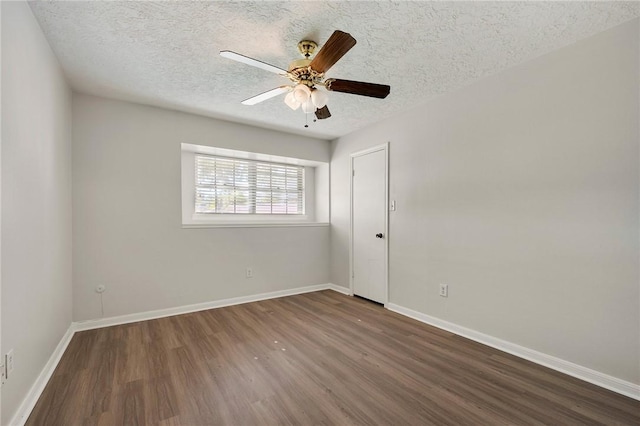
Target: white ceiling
[(166, 53)]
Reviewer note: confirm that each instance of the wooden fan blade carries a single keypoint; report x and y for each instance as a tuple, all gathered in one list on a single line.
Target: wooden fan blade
[(358, 88), (266, 95), (335, 48), (250, 61), (322, 113)]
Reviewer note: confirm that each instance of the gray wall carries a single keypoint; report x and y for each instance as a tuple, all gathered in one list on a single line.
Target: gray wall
[(127, 232), (36, 204), (520, 191)]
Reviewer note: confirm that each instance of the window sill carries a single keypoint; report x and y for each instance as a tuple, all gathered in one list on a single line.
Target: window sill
[(253, 225)]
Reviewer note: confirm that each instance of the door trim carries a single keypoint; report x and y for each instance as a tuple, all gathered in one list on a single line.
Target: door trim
[(382, 147)]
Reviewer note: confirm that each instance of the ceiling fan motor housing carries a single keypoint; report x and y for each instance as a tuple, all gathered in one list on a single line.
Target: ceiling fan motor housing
[(299, 63), (301, 72)]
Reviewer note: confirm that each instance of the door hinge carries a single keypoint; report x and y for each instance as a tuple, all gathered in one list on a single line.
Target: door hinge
[(353, 172)]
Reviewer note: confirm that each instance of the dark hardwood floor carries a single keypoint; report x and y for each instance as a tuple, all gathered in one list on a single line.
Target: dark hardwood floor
[(317, 358)]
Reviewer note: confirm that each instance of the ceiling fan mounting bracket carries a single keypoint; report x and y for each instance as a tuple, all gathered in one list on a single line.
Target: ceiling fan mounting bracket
[(307, 47)]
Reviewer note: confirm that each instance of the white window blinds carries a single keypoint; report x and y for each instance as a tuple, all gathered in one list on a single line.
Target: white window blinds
[(237, 186)]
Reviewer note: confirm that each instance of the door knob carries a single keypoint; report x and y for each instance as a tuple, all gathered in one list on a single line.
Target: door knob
[(380, 235)]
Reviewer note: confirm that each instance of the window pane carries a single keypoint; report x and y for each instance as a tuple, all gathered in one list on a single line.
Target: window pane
[(293, 203), (225, 201), (235, 186), (205, 200), (242, 202), (263, 202), (242, 175)]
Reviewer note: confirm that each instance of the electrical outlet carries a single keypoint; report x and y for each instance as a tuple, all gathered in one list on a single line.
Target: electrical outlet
[(444, 290), (9, 362), (249, 273)]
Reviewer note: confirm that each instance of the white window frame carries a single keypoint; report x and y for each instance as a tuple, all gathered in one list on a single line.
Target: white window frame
[(312, 198)]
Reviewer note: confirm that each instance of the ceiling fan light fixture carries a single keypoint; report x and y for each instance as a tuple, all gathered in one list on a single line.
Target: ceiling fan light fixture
[(291, 101), (308, 107), (301, 93), (307, 73), (319, 98)]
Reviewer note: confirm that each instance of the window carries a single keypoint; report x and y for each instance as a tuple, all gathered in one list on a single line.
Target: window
[(222, 187), (237, 186)]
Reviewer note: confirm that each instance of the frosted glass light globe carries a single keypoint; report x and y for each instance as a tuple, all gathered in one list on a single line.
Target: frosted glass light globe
[(319, 98), (302, 93), (291, 101), (308, 106)]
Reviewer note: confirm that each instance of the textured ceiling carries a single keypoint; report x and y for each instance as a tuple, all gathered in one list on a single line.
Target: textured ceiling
[(166, 53)]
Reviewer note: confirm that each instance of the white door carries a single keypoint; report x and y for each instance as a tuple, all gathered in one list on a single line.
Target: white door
[(369, 224)]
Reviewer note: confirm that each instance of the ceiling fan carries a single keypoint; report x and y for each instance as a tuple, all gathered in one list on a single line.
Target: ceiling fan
[(307, 76)]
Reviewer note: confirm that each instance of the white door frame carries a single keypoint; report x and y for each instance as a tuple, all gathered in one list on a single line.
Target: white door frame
[(1, 356), (383, 147)]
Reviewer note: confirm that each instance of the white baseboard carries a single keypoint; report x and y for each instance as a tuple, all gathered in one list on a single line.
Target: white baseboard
[(340, 289), (179, 310), (588, 375), (23, 412)]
